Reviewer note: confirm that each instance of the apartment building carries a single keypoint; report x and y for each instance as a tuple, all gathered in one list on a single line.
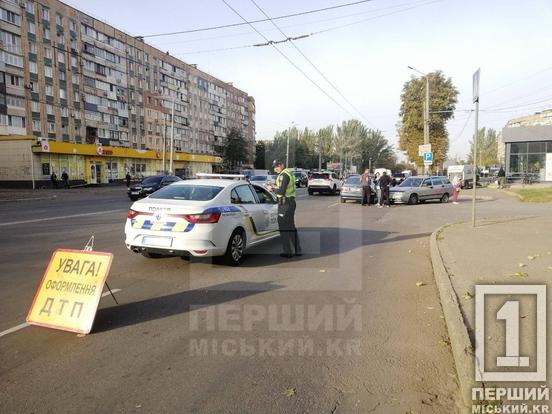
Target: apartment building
[(68, 77)]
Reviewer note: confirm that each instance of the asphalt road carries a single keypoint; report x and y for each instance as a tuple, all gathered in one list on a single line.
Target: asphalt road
[(344, 328)]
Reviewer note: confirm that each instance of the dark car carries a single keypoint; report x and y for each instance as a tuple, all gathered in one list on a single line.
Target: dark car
[(149, 185), (301, 178)]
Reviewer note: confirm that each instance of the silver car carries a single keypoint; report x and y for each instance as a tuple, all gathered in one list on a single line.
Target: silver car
[(420, 189)]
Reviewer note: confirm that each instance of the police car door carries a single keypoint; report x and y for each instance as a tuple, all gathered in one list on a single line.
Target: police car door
[(270, 207), (255, 219)]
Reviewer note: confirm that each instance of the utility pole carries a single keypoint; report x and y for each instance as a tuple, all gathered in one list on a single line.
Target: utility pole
[(319, 153), (287, 146), (172, 138), (476, 101), (370, 164), (164, 143)]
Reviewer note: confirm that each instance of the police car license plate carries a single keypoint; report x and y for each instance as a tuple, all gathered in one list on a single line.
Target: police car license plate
[(135, 192), (157, 241)]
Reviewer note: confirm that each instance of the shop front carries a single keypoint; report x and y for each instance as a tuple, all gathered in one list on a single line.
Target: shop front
[(529, 151), (88, 164)]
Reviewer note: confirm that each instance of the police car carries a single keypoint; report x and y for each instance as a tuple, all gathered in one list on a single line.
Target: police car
[(203, 217)]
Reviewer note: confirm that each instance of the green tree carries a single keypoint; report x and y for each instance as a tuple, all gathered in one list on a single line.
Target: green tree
[(324, 144), (373, 145), (487, 148), (260, 152), (442, 98), (235, 150)]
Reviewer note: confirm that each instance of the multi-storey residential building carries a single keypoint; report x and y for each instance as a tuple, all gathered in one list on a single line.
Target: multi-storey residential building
[(70, 78)]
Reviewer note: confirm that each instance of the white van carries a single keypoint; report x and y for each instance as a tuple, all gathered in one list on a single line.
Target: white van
[(465, 172)]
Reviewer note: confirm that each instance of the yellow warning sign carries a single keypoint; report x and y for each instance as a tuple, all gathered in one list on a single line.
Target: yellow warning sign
[(70, 291)]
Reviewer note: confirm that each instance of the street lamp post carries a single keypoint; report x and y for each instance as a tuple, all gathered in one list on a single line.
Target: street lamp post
[(287, 146), (426, 112), (172, 138)]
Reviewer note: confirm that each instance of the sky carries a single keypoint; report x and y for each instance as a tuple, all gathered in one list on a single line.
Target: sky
[(365, 55)]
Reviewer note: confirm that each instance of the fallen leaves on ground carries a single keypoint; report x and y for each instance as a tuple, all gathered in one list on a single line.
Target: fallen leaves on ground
[(533, 257), (522, 265), (520, 274), (467, 295), (420, 284), (289, 392)]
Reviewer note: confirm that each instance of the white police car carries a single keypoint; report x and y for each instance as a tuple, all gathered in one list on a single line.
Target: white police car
[(202, 217)]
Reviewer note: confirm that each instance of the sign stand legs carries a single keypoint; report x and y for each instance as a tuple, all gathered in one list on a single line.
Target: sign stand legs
[(88, 248)]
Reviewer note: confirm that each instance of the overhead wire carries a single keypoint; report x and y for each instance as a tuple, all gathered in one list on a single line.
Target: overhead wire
[(289, 60), (286, 16), (292, 42)]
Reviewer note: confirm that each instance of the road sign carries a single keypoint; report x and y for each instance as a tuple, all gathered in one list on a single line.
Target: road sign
[(422, 149), (70, 290), (428, 158), (476, 86)]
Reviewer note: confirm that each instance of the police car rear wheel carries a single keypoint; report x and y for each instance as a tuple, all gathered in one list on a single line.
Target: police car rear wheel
[(235, 249)]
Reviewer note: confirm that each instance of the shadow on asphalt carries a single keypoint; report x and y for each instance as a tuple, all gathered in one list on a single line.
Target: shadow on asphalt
[(319, 242), (175, 304)]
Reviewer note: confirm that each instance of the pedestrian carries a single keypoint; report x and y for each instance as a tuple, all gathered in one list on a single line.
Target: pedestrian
[(366, 190), (377, 178), (385, 184), (127, 177), (501, 177), (65, 179), (53, 178), (456, 185), (285, 191)]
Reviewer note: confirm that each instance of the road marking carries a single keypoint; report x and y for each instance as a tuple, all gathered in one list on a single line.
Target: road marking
[(25, 324), (333, 205), (96, 213)]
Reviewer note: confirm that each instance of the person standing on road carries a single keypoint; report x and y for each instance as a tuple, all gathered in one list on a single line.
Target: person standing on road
[(366, 190), (65, 179), (385, 183), (127, 177), (285, 191), (501, 177), (53, 178), (378, 189), (455, 189)]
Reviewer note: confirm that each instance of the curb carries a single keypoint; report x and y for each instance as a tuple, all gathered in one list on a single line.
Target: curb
[(462, 349)]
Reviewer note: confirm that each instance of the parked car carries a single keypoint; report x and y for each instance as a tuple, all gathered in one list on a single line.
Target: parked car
[(352, 190), (324, 182), (301, 178), (420, 189), (149, 185), (203, 218), (263, 180)]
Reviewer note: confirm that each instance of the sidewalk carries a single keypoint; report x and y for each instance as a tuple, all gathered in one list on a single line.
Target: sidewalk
[(507, 251)]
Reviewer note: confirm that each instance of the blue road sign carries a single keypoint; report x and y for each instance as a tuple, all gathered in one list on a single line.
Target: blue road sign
[(428, 156)]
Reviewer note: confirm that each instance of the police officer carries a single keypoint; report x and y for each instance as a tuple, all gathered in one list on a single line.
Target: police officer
[(285, 192)]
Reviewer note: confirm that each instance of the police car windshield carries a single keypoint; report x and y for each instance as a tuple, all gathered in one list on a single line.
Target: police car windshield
[(151, 180), (187, 192)]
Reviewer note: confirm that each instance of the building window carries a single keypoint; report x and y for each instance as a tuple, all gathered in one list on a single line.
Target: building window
[(32, 47), (62, 94), (76, 97), (46, 33), (73, 61), (32, 28), (45, 13), (10, 17), (36, 125), (49, 90), (33, 68), (72, 25), (12, 120), (15, 80), (51, 127), (61, 75), (47, 52), (58, 19), (29, 6), (48, 71), (15, 101), (60, 57), (35, 107), (49, 109)]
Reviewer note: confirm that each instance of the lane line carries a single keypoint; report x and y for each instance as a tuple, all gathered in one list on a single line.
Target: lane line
[(25, 324), (333, 205), (96, 213)]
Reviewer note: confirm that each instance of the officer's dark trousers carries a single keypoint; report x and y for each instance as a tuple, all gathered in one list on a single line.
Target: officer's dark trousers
[(286, 224)]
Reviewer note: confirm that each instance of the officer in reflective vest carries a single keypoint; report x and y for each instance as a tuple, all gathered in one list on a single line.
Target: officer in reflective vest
[(285, 192)]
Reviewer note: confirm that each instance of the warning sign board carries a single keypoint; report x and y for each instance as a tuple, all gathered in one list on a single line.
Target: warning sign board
[(70, 291)]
